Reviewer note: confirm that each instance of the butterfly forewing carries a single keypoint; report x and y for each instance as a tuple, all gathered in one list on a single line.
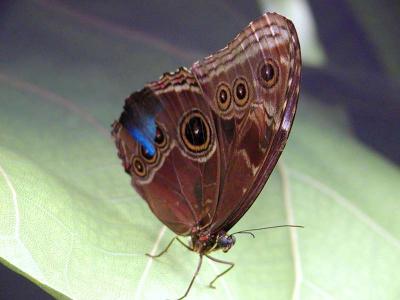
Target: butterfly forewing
[(265, 59)]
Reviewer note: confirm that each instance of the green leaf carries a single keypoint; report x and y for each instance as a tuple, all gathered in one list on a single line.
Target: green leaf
[(71, 223)]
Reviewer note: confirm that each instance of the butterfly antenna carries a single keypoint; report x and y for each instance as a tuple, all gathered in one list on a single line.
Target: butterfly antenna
[(249, 231), (244, 231)]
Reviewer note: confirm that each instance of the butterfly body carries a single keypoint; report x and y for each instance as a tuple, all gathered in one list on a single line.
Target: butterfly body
[(200, 143)]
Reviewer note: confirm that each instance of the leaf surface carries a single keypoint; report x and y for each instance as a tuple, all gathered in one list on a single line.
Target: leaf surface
[(70, 221)]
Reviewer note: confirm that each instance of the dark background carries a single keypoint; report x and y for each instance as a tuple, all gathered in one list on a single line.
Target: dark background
[(358, 74)]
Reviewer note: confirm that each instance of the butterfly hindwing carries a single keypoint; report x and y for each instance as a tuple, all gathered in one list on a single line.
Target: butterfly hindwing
[(179, 181)]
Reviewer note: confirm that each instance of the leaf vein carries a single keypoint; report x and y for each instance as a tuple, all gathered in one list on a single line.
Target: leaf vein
[(298, 273), (344, 202), (146, 271)]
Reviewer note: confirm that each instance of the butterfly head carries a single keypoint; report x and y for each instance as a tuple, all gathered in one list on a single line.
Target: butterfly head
[(225, 242)]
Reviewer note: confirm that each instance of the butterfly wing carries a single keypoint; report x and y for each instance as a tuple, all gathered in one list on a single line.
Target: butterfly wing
[(166, 140), (252, 86), (200, 144)]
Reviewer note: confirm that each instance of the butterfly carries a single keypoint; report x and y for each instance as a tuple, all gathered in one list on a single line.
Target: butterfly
[(200, 143)]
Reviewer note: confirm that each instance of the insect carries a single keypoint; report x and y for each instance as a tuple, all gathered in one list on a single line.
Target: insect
[(200, 143)]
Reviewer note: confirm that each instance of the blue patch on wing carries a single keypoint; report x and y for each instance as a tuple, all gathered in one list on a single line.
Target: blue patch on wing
[(145, 135)]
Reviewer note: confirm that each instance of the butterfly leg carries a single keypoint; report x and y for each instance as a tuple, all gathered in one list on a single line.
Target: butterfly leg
[(231, 265), (194, 277), (166, 248)]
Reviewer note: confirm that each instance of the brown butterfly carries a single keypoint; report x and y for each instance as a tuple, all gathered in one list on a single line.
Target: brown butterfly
[(200, 143)]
